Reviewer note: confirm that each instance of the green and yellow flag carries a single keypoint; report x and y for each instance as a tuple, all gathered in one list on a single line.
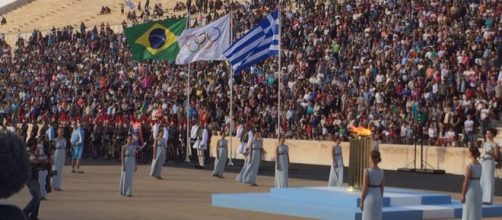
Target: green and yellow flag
[(155, 40)]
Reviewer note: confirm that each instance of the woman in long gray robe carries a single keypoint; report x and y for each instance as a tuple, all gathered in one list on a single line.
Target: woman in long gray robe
[(128, 155), (221, 156), (336, 172), (254, 161), (240, 177), (471, 189), (281, 164), (372, 189), (59, 159), (247, 142), (159, 155), (491, 152)]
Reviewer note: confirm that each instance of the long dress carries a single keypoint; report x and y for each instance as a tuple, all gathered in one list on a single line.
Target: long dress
[(487, 180), (127, 175), (244, 149), (473, 196), (240, 177), (160, 158), (281, 169), (59, 159), (254, 164), (219, 164), (336, 174), (373, 202)]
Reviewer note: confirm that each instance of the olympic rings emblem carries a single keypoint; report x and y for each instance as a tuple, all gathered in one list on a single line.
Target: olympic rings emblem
[(204, 40)]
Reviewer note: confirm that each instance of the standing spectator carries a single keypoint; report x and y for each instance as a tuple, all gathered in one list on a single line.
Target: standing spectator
[(201, 144), (32, 208), (41, 154), (451, 138), (484, 118), (433, 133), (468, 130), (174, 133), (77, 141), (51, 132), (194, 132), (82, 28)]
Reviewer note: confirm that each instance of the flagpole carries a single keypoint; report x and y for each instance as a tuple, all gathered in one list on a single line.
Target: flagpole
[(230, 163), (187, 159), (280, 75)]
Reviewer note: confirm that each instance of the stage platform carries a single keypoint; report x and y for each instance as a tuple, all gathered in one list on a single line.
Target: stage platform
[(340, 204)]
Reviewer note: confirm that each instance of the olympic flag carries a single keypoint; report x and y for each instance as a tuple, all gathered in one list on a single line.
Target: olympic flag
[(205, 43)]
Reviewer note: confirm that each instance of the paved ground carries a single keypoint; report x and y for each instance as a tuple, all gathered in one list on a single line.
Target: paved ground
[(183, 194)]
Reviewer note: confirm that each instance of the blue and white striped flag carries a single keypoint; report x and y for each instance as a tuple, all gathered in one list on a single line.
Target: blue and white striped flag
[(256, 45)]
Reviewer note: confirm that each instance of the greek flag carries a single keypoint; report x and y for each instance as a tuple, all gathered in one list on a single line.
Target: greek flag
[(256, 45)]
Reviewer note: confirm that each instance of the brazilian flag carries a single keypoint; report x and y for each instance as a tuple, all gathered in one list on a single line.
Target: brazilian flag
[(155, 40)]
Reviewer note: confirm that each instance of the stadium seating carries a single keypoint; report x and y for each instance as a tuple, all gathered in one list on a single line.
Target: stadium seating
[(45, 14)]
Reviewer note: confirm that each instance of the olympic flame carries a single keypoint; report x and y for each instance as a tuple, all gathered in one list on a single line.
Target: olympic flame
[(360, 131)]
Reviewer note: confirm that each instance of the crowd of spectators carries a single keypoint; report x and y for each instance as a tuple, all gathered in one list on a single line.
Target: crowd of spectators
[(390, 65)]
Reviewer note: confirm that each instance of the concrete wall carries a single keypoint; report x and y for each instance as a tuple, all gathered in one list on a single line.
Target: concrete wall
[(450, 159)]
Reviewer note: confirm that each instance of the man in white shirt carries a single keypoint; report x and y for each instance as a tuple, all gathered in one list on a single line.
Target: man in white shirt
[(468, 130), (404, 128), (201, 145), (483, 116)]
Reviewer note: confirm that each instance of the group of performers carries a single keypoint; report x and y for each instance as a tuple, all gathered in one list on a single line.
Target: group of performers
[(477, 190), (251, 146)]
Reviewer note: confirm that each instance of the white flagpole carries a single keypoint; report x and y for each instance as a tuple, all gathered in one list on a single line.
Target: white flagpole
[(230, 163), (187, 159), (280, 75)]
